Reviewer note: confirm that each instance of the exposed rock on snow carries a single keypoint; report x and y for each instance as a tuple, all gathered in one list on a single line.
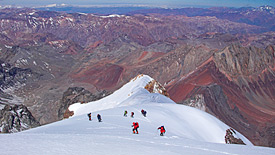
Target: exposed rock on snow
[(197, 101), (231, 139), (16, 118), (74, 95), (155, 87)]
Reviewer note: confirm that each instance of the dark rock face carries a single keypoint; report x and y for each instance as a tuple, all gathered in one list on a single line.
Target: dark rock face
[(268, 134), (196, 101), (9, 76), (230, 139), (12, 78), (16, 118), (77, 94), (30, 75)]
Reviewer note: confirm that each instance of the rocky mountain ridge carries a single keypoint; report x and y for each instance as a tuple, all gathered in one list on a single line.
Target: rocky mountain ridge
[(260, 16), (89, 28)]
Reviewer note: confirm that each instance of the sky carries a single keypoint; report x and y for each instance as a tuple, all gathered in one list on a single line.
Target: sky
[(169, 3)]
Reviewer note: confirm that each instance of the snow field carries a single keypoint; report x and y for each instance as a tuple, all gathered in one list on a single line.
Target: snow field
[(78, 135)]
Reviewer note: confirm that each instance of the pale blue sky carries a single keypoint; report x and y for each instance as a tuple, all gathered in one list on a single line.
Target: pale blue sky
[(171, 3)]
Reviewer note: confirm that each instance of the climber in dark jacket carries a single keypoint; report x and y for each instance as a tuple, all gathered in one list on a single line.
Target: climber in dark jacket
[(99, 117), (143, 112), (90, 116)]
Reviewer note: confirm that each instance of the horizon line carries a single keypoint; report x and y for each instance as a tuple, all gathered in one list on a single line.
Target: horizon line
[(122, 5)]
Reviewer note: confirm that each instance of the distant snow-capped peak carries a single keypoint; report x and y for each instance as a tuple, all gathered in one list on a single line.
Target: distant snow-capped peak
[(266, 8)]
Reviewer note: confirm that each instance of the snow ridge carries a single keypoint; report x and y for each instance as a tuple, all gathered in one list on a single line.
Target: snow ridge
[(187, 120), (131, 93)]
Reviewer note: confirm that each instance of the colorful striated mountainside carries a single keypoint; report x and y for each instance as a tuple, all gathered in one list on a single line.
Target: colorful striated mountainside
[(237, 85)]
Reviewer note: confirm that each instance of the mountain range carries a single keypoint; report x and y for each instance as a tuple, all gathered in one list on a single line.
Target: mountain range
[(205, 58), (248, 15)]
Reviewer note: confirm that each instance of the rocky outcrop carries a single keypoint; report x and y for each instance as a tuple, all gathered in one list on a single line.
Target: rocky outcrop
[(239, 61), (155, 87), (16, 118), (75, 95), (10, 76), (230, 139), (196, 101)]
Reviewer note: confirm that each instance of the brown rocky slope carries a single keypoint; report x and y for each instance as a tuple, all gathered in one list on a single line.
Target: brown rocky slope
[(237, 85)]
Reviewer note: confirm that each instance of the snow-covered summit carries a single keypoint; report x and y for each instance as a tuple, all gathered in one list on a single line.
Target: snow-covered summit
[(133, 92), (55, 5), (112, 16), (265, 8)]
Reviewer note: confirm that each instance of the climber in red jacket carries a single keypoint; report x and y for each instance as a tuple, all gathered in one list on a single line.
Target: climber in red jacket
[(162, 130), (136, 126)]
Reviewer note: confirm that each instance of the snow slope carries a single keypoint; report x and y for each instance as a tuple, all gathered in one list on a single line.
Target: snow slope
[(131, 93), (189, 131)]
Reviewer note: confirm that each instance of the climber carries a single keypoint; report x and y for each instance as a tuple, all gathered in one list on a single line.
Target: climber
[(162, 130), (125, 113), (136, 126), (132, 114), (90, 116), (143, 112), (99, 117)]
